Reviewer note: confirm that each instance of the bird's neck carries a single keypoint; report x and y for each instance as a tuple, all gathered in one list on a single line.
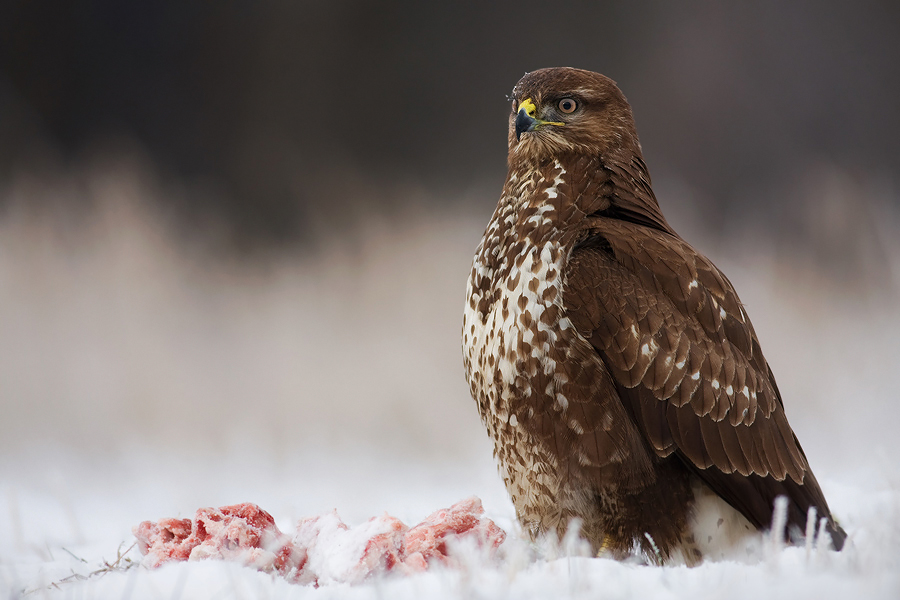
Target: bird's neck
[(578, 186), (632, 198)]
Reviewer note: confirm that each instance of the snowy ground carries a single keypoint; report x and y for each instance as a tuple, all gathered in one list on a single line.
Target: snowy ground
[(74, 520), (142, 379)]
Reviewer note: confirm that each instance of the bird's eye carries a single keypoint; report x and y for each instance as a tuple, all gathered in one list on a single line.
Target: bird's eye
[(567, 105)]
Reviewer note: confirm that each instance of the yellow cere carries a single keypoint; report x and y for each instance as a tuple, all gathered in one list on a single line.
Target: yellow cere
[(528, 106), (531, 110)]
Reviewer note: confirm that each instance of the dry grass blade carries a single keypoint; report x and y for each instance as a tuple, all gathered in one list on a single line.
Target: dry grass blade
[(121, 564)]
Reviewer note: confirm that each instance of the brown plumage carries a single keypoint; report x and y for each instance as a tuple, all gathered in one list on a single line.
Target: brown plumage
[(614, 365)]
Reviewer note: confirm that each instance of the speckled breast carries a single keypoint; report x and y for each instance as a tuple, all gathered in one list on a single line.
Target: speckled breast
[(513, 327), (515, 333)]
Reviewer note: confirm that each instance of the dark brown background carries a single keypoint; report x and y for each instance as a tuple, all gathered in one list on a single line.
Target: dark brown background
[(263, 107)]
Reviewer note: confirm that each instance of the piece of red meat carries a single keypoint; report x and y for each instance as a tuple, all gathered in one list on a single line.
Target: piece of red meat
[(462, 521), (323, 549), (241, 532)]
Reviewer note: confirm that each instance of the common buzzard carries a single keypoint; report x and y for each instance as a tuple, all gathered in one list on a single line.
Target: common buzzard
[(614, 366)]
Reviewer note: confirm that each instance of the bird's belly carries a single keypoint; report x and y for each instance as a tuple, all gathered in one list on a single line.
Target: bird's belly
[(511, 334), (510, 342)]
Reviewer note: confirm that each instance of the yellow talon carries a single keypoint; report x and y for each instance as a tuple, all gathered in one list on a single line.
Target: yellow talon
[(604, 546)]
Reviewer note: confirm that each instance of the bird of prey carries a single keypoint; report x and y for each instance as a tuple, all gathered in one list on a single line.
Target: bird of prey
[(614, 365)]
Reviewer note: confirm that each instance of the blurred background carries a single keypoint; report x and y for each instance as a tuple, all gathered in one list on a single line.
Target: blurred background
[(234, 236)]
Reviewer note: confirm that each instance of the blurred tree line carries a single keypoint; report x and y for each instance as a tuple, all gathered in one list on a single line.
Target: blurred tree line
[(274, 106)]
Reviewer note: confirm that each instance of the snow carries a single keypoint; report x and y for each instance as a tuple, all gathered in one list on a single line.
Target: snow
[(142, 378), (869, 568)]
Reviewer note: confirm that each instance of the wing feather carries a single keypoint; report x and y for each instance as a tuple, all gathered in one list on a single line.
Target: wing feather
[(686, 362)]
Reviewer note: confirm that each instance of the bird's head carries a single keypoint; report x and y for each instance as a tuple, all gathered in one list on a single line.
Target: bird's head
[(560, 111)]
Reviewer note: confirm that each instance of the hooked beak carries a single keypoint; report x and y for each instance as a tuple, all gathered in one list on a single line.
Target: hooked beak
[(526, 119), (524, 123)]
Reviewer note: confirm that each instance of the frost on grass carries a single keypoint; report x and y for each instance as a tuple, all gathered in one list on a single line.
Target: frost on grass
[(323, 549), (120, 564)]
